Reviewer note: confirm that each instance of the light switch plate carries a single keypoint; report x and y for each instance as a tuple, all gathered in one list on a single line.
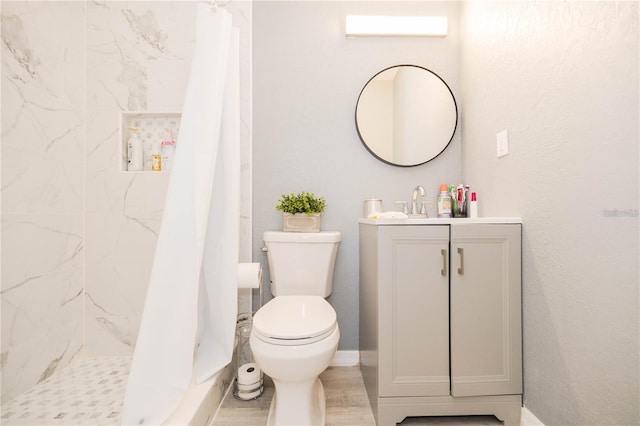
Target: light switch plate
[(502, 143)]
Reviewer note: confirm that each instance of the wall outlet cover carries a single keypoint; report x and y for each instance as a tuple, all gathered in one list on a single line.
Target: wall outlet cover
[(502, 143)]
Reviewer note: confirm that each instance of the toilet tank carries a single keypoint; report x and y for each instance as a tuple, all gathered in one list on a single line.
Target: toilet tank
[(301, 263)]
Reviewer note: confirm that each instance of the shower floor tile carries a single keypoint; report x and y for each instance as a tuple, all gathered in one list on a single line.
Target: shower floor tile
[(87, 393)]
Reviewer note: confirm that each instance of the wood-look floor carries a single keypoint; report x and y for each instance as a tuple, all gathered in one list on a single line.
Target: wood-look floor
[(347, 404)]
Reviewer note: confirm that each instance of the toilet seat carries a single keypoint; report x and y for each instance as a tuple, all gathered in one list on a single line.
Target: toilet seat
[(294, 320)]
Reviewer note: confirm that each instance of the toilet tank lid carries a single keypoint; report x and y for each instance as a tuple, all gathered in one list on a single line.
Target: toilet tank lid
[(302, 237)]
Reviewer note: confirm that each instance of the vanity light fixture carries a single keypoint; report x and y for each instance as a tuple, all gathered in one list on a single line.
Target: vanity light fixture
[(396, 26)]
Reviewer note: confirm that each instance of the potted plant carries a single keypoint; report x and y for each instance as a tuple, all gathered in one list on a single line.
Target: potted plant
[(301, 212)]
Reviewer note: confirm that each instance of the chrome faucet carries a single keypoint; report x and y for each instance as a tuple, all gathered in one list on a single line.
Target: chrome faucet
[(414, 197)]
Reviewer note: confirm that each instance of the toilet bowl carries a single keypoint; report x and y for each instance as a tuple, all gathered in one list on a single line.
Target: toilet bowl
[(295, 335), (294, 339)]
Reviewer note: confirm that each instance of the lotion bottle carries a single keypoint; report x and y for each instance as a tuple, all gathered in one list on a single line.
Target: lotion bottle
[(135, 154), (167, 150)]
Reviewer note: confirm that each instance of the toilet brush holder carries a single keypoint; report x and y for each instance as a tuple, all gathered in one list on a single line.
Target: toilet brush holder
[(249, 381)]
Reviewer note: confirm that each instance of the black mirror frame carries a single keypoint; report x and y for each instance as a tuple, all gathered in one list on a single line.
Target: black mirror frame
[(455, 127)]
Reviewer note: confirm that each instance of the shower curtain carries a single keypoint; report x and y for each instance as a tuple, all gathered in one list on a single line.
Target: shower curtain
[(188, 324)]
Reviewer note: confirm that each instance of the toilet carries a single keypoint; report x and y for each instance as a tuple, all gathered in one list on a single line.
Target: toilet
[(295, 335)]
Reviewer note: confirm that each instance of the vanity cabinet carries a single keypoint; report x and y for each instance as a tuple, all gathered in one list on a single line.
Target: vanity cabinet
[(440, 319)]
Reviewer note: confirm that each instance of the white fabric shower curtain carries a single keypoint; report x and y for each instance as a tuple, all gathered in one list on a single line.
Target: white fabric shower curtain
[(188, 324)]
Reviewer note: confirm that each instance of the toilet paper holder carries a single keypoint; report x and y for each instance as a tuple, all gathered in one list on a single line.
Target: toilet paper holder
[(249, 379), (250, 276)]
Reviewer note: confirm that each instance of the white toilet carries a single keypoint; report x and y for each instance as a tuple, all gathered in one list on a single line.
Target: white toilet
[(295, 335)]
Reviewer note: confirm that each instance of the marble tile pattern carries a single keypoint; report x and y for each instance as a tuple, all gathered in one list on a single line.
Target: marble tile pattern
[(43, 246), (123, 210), (89, 392), (138, 59), (78, 233)]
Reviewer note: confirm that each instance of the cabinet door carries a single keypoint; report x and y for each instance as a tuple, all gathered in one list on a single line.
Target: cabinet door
[(486, 339), (414, 310)]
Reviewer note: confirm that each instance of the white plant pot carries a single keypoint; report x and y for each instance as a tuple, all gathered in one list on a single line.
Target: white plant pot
[(300, 222)]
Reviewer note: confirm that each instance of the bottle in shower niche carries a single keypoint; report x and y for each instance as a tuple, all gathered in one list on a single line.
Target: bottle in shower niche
[(135, 154), (156, 156), (167, 150), (148, 143), (156, 159)]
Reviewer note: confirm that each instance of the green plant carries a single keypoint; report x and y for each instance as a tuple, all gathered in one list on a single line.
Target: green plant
[(303, 202)]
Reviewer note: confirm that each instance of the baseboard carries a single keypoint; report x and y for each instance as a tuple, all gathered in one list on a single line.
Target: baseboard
[(529, 419), (346, 359)]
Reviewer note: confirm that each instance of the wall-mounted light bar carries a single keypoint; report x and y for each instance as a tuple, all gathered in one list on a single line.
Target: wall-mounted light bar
[(396, 26)]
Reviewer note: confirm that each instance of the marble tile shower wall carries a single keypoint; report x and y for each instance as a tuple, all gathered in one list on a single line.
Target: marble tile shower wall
[(43, 246), (138, 57), (78, 235)]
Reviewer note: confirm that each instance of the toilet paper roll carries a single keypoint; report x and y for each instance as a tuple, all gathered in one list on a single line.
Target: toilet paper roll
[(249, 373), (249, 388), (250, 395), (249, 275)]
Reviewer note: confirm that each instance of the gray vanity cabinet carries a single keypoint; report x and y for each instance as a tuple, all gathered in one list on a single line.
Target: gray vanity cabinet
[(414, 310), (486, 320), (440, 319)]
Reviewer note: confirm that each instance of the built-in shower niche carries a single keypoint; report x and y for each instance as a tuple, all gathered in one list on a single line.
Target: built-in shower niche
[(152, 131)]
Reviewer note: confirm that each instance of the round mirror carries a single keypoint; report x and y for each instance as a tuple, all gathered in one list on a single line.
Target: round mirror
[(406, 115)]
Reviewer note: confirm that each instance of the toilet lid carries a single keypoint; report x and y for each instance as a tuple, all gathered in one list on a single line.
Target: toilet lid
[(295, 318)]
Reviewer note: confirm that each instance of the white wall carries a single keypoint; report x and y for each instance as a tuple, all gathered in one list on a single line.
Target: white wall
[(562, 77), (307, 78)]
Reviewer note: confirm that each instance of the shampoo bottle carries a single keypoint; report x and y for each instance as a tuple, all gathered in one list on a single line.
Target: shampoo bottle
[(135, 154), (444, 202), (167, 149)]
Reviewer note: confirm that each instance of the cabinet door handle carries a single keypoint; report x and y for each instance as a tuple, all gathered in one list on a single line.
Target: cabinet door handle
[(443, 271), (461, 268)]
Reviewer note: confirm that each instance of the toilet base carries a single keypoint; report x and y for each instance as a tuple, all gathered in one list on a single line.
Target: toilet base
[(305, 404)]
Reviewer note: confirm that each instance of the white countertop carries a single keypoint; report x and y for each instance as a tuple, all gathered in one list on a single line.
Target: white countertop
[(440, 221)]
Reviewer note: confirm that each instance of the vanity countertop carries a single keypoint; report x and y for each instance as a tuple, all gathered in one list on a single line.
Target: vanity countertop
[(439, 221)]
